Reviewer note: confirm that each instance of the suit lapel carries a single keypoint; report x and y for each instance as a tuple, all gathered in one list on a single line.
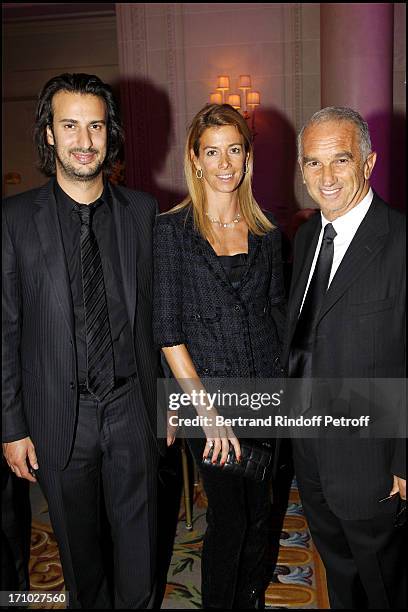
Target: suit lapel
[(127, 239), (48, 228), (304, 259), (368, 241), (204, 248), (254, 243)]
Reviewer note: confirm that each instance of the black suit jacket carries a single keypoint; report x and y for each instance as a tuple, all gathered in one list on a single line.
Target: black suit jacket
[(40, 393), (360, 334)]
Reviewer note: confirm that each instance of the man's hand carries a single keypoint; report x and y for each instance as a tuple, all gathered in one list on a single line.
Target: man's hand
[(17, 453), (399, 485)]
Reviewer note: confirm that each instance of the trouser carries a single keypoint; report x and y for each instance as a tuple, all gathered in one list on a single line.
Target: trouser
[(15, 531), (114, 450), (235, 547), (364, 559), (170, 483)]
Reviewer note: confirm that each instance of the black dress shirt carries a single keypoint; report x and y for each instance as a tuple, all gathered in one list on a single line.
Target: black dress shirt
[(104, 229)]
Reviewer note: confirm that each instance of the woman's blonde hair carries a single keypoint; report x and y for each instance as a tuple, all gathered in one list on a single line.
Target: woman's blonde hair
[(216, 115)]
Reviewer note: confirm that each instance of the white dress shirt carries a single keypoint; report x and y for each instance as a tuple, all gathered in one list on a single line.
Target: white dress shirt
[(345, 226)]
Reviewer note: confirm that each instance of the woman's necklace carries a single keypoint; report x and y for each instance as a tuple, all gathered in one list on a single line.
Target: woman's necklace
[(236, 220)]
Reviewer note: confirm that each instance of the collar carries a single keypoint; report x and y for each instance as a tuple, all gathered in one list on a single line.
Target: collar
[(349, 222), (69, 205)]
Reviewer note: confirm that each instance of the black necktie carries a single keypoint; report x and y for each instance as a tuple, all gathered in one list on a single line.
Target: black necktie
[(99, 350), (300, 359)]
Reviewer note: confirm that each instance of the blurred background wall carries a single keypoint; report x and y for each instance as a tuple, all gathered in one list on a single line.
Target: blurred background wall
[(163, 61)]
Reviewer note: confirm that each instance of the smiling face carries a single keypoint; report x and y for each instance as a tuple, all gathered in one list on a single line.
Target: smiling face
[(333, 170), (79, 135), (221, 158)]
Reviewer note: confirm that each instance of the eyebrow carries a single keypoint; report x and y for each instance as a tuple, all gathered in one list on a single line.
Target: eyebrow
[(344, 154), (338, 155), (233, 144), (76, 121)]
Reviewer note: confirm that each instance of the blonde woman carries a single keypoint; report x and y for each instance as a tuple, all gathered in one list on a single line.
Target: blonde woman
[(219, 312)]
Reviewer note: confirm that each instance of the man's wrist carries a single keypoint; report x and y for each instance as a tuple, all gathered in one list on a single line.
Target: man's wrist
[(14, 437)]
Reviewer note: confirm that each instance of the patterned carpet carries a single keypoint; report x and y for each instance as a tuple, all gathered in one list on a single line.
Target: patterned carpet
[(45, 566), (298, 581)]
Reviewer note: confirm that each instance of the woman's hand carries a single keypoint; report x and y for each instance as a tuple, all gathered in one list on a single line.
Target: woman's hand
[(399, 486), (184, 371), (171, 429), (220, 438)]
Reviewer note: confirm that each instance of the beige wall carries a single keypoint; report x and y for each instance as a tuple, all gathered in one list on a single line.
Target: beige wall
[(34, 51), (180, 49)]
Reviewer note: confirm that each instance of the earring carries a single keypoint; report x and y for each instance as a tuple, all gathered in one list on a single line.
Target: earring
[(245, 168), (199, 173)]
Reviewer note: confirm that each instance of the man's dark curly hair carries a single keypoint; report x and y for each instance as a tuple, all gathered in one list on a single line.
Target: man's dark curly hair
[(82, 84)]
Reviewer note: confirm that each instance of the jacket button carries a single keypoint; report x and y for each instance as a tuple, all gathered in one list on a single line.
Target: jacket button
[(276, 361), (197, 317), (206, 371), (237, 307), (72, 385)]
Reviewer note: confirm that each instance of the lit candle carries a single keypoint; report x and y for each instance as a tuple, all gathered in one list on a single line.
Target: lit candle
[(223, 83), (253, 98), (244, 81), (234, 100), (216, 98)]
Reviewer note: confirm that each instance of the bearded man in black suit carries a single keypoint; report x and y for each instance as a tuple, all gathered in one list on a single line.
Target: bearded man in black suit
[(346, 320), (79, 364)]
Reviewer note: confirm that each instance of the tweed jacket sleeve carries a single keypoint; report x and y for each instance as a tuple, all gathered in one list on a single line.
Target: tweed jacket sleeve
[(167, 295)]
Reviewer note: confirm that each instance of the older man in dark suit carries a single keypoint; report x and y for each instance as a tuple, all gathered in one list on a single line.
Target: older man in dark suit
[(346, 320), (79, 367)]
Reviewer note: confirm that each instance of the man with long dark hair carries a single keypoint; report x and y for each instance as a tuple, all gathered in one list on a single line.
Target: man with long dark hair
[(79, 366)]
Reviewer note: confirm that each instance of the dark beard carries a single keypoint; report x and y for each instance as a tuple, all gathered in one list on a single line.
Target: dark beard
[(71, 172)]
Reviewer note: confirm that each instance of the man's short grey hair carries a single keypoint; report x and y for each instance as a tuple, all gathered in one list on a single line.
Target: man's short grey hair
[(339, 113)]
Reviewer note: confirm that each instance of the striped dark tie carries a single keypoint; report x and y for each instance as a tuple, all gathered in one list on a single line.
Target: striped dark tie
[(99, 349), (306, 325), (300, 359)]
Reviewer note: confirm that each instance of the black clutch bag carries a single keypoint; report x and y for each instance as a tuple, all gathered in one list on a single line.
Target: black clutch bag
[(401, 516), (256, 460)]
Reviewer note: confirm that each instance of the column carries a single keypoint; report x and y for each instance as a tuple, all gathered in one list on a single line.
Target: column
[(357, 71)]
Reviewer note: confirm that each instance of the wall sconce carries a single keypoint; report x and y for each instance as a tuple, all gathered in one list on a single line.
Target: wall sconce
[(12, 178), (246, 105)]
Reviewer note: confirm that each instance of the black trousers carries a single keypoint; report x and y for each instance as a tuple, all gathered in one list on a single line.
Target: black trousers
[(15, 531), (364, 559), (114, 451), (235, 547)]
